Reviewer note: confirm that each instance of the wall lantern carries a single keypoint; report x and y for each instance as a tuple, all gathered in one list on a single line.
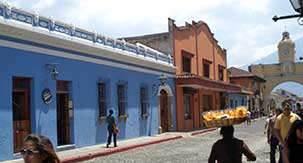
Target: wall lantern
[(52, 69), (298, 7), (163, 79)]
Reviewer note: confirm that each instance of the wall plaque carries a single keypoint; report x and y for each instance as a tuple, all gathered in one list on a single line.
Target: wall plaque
[(47, 96)]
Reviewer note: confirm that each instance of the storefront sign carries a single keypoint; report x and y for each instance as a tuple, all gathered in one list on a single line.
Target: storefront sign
[(47, 96)]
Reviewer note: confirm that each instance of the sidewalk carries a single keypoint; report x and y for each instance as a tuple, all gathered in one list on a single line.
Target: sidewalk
[(86, 153)]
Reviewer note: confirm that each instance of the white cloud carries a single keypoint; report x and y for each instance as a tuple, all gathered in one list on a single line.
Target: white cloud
[(43, 4), (264, 51), (243, 27), (249, 44), (254, 5)]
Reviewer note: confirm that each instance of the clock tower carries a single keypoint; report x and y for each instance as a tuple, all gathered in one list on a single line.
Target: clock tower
[(286, 49)]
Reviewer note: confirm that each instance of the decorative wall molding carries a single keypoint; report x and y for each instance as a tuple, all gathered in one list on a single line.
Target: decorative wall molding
[(13, 15)]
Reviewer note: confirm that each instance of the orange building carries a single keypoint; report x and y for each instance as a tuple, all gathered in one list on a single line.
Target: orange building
[(201, 79)]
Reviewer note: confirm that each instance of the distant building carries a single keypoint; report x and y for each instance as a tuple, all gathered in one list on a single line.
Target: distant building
[(280, 95), (252, 83), (276, 100), (202, 83)]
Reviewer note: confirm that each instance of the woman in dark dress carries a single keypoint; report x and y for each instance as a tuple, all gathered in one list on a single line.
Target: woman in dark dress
[(111, 128), (293, 148)]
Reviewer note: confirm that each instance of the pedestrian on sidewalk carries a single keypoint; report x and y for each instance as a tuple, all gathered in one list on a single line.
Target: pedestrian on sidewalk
[(283, 123), (272, 138), (266, 122), (111, 128), (229, 149), (248, 117), (38, 149), (293, 149)]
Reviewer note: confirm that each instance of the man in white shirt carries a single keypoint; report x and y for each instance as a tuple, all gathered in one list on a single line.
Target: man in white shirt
[(248, 117)]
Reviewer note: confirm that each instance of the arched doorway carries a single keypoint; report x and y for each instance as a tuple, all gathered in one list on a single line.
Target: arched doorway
[(164, 111)]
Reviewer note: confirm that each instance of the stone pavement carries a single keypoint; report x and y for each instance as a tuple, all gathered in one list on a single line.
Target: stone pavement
[(86, 153)]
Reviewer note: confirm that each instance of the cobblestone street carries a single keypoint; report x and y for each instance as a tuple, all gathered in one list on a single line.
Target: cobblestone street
[(193, 149)]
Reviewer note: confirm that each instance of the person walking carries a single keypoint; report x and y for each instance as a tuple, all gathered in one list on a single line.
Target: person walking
[(283, 123), (248, 117), (229, 149), (111, 128), (38, 149), (272, 138), (293, 149), (266, 122)]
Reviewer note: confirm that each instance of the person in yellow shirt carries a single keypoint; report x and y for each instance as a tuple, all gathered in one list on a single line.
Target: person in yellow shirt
[(283, 123)]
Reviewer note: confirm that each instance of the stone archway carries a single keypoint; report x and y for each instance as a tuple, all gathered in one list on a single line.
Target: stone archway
[(287, 70), (165, 108), (274, 76)]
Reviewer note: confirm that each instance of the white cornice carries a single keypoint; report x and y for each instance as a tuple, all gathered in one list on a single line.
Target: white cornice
[(38, 35), (20, 24)]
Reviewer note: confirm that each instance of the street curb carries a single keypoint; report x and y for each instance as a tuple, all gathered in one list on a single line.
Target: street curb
[(203, 131), (114, 150)]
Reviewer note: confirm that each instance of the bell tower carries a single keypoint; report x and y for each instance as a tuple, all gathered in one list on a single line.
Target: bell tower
[(286, 49)]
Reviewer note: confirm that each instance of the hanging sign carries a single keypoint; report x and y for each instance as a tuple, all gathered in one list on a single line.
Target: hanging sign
[(47, 96)]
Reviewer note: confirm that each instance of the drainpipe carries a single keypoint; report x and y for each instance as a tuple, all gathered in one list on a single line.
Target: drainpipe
[(198, 92), (214, 69)]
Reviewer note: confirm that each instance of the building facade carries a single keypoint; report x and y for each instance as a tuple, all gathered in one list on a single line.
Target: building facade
[(201, 78), (60, 81), (238, 99), (252, 84)]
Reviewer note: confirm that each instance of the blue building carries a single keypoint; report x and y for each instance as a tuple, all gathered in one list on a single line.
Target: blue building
[(237, 99), (60, 81)]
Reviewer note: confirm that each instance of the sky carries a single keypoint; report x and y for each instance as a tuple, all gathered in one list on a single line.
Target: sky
[(293, 87), (243, 27)]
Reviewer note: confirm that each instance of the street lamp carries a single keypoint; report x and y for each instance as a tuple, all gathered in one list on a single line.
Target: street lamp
[(298, 7), (52, 69), (163, 79)]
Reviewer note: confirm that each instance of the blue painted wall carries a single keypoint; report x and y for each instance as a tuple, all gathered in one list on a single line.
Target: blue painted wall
[(237, 98), (83, 77)]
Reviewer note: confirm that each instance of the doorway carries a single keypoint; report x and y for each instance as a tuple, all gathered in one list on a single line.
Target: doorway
[(63, 121), (21, 111), (207, 102), (164, 110)]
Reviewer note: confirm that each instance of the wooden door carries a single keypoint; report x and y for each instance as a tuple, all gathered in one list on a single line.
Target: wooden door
[(21, 111), (63, 125), (164, 110), (207, 103)]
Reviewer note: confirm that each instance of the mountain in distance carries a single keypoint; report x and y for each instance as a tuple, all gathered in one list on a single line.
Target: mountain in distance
[(272, 58), (269, 59)]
